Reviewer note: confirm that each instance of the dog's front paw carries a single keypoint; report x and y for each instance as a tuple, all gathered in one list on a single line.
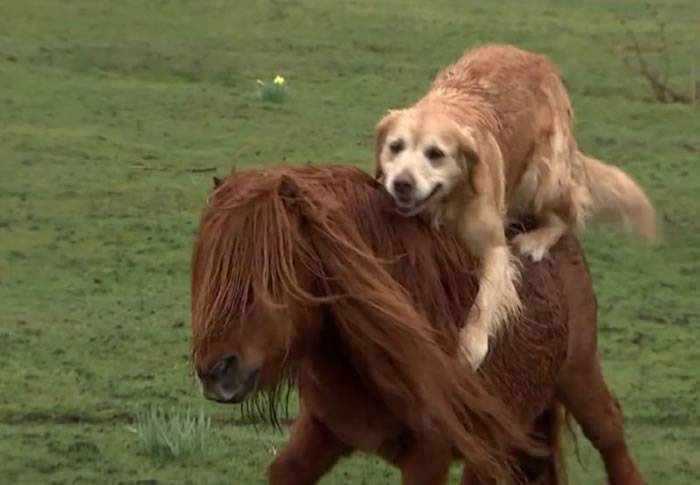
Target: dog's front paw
[(532, 244), (474, 345)]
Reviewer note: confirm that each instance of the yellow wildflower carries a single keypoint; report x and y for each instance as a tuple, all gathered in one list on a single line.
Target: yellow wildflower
[(279, 81)]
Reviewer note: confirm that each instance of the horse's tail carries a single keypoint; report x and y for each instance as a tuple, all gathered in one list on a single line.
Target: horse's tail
[(558, 417), (551, 468), (397, 353)]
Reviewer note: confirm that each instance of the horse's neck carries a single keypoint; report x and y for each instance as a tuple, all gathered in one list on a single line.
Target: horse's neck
[(328, 358), (328, 368), (339, 395)]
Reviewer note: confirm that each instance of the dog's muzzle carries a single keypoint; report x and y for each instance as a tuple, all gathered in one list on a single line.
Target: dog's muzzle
[(409, 207)]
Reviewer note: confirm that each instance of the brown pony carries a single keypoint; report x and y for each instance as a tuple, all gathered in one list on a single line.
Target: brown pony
[(306, 276)]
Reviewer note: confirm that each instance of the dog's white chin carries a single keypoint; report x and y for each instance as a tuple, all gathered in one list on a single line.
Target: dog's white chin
[(409, 212)]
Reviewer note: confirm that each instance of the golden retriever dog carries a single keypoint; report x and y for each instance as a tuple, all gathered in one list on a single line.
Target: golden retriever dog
[(492, 140)]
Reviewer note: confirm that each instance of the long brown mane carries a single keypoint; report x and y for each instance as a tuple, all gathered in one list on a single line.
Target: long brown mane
[(262, 227)]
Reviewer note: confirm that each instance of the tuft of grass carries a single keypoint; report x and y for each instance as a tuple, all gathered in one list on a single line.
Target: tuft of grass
[(168, 435), (272, 92)]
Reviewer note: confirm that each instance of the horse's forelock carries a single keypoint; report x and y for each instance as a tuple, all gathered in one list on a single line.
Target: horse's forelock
[(243, 234)]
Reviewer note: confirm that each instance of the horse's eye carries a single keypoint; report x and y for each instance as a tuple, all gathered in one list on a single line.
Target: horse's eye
[(396, 146), (433, 153)]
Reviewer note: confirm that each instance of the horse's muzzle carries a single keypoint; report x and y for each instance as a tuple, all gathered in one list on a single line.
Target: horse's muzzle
[(228, 381)]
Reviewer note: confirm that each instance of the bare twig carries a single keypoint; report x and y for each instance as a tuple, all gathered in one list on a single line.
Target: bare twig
[(664, 56), (658, 79), (695, 83)]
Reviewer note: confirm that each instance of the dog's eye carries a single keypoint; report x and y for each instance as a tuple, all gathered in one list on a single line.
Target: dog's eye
[(434, 154), (396, 146)]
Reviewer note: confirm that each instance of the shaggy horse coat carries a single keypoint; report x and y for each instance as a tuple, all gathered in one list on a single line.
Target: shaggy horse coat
[(307, 274)]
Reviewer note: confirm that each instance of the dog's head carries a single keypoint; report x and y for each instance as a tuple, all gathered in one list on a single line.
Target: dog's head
[(420, 156)]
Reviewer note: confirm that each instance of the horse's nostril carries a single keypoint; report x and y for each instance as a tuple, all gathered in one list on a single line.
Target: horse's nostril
[(224, 365)]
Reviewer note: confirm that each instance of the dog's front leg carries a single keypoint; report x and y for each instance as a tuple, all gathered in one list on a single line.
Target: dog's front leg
[(496, 302), (497, 298)]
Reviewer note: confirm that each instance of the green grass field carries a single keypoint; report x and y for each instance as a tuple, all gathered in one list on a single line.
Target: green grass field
[(112, 112)]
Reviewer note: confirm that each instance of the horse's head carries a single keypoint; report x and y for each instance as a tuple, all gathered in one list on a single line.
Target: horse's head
[(252, 352), (251, 288)]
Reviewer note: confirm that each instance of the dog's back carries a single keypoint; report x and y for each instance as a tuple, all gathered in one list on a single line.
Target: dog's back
[(518, 94), (487, 69)]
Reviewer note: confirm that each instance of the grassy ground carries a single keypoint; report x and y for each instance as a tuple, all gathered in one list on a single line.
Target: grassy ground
[(106, 107)]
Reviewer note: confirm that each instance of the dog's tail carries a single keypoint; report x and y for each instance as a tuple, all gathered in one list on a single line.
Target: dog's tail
[(616, 198)]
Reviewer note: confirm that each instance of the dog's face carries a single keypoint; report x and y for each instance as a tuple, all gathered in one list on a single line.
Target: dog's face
[(420, 157)]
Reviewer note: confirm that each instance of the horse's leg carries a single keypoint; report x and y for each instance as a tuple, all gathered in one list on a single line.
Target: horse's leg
[(581, 386), (584, 392), (469, 478), (532, 471), (310, 453), (424, 463)]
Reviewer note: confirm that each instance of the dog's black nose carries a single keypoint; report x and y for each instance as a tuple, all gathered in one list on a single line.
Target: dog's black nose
[(403, 185)]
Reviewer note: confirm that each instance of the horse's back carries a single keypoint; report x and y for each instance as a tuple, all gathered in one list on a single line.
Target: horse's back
[(580, 298), (557, 332)]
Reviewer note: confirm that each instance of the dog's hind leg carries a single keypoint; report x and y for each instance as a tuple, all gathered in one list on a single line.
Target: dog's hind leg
[(311, 452), (548, 190), (536, 243)]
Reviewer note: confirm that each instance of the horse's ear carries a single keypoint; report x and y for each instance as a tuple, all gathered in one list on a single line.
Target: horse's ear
[(217, 182), (288, 188)]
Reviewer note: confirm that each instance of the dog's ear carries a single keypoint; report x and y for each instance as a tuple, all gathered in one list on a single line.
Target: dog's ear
[(468, 151), (481, 162), (380, 132)]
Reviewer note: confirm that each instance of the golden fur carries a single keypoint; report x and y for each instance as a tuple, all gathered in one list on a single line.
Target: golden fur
[(492, 138)]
